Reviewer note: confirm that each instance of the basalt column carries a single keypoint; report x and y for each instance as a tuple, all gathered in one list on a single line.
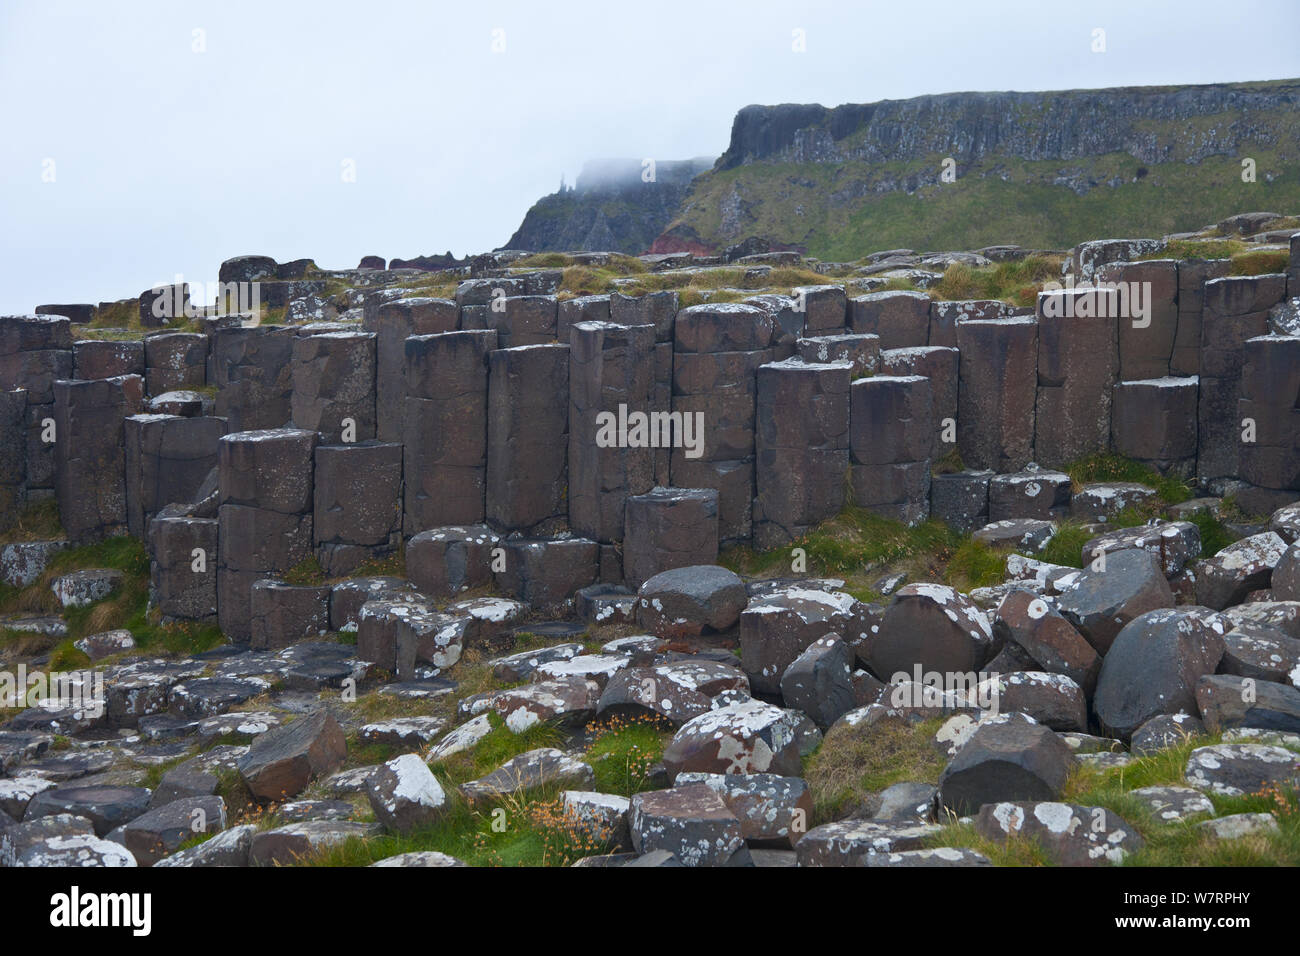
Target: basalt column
[(611, 379), (90, 458), (528, 438), (168, 458), (802, 447), (717, 353), (996, 392), (252, 368), (1268, 417), (889, 441), (393, 323), (1236, 309), (334, 385), (265, 515), (444, 429), (1077, 369), (36, 350)]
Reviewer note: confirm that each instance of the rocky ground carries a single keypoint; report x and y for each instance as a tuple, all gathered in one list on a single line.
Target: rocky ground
[(1147, 713)]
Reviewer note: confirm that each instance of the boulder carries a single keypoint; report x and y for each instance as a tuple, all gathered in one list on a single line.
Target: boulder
[(1153, 666), (281, 762), (1005, 761), (1107, 597), (687, 601), (692, 822), (1070, 834), (405, 794), (934, 627), (745, 737), (1226, 702)]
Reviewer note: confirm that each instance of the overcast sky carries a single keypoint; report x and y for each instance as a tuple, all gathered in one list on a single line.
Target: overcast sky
[(178, 134)]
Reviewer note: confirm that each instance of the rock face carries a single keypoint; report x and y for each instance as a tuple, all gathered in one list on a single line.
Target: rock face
[(611, 208)]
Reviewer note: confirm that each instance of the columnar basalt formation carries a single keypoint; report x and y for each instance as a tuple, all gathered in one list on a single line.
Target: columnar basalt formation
[(415, 416)]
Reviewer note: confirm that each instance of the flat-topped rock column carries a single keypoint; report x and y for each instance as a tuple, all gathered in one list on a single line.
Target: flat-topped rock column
[(265, 515), (444, 430), (90, 454), (168, 457), (35, 351), (252, 368), (717, 350), (890, 431), (1236, 309), (1154, 422), (611, 378), (997, 391), (528, 438), (802, 447), (393, 322), (356, 504), (1267, 413), (941, 365), (334, 385), (1078, 366), (669, 528)]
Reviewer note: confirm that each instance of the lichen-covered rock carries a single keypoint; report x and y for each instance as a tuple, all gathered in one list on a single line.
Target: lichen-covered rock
[(1244, 566), (1231, 770), (1163, 731), (775, 629), (1053, 643), (854, 842), (771, 809), (535, 768), (1005, 761), (692, 822), (819, 681), (162, 830), (1153, 666), (677, 691), (282, 762), (1105, 597), (1172, 804), (934, 627), (1071, 834), (570, 700), (405, 794), (684, 602), (747, 737)]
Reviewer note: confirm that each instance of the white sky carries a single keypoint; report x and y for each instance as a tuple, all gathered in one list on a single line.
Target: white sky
[(167, 160)]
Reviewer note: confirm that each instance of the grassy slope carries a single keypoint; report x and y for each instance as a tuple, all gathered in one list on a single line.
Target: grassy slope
[(818, 206)]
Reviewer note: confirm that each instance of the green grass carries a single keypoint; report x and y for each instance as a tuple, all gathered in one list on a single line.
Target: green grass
[(1066, 546), (853, 763), (1016, 282), (1108, 467), (802, 204), (126, 607), (624, 751)]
